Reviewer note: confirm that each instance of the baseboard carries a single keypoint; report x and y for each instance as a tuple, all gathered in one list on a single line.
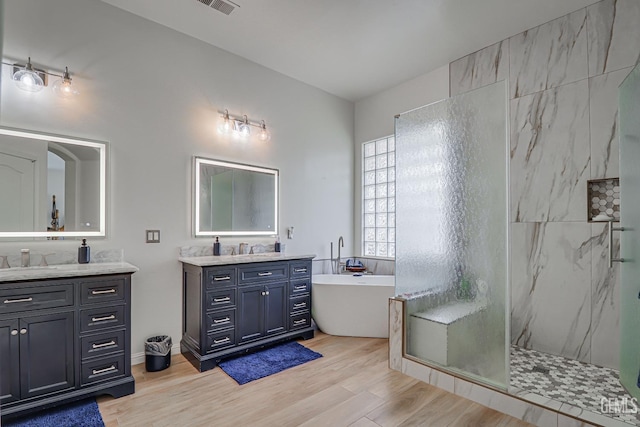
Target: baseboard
[(138, 358)]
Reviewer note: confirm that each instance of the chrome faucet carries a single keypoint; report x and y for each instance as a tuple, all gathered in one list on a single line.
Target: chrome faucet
[(340, 244)]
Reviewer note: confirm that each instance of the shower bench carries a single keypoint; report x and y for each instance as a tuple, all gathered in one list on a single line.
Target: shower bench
[(443, 334)]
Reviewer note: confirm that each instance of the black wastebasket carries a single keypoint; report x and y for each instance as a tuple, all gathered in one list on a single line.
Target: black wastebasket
[(157, 352)]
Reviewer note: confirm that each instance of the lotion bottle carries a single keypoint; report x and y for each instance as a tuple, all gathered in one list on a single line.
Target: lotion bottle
[(84, 252), (216, 247)]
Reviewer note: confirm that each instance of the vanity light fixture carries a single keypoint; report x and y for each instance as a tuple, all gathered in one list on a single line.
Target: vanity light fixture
[(32, 79), (241, 126)]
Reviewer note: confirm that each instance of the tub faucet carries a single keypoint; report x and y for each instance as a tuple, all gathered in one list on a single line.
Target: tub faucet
[(340, 244)]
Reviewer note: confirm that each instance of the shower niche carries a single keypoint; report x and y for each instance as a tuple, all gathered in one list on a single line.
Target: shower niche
[(603, 200)]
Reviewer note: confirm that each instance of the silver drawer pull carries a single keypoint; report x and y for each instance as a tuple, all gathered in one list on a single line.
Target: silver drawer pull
[(225, 320), (11, 301), (218, 279), (105, 370), (107, 291), (106, 344), (300, 304), (267, 273), (14, 332), (221, 299), (100, 319), (299, 270), (300, 288), (300, 322), (227, 339)]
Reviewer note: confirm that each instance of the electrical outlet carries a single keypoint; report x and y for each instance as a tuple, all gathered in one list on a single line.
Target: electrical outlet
[(153, 236)]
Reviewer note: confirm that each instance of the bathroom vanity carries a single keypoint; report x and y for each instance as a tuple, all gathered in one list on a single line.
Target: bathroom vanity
[(65, 334), (238, 303)]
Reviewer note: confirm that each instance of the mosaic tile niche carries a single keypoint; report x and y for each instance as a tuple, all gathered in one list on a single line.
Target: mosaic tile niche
[(603, 196)]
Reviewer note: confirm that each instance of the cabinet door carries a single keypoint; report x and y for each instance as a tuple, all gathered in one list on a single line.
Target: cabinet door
[(276, 308), (46, 354), (9, 361), (250, 312)]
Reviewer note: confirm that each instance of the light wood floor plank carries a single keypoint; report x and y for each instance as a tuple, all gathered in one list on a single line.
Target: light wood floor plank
[(350, 385)]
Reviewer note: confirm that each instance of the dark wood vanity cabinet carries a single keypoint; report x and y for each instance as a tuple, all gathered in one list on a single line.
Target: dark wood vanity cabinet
[(233, 309), (63, 340)]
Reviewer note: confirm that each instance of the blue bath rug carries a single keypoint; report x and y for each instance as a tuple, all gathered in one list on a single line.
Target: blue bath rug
[(263, 363), (84, 413)]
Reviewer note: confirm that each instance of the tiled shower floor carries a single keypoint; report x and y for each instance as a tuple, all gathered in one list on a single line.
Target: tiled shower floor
[(564, 380)]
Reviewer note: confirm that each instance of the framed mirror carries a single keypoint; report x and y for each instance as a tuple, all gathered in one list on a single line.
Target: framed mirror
[(51, 186), (232, 199)]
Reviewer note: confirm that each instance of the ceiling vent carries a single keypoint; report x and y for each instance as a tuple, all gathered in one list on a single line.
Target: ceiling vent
[(222, 6)]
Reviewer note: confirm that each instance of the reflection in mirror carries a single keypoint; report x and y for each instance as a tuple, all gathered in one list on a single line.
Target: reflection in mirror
[(51, 186), (232, 199)]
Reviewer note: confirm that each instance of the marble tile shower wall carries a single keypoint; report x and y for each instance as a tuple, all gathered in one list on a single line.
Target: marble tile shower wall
[(563, 81)]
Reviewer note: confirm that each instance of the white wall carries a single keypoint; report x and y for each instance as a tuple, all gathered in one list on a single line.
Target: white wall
[(153, 94), (374, 118)]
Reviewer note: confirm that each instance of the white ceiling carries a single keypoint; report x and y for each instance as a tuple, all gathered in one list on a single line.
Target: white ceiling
[(353, 48)]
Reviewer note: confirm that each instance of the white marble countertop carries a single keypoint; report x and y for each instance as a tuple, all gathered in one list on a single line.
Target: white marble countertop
[(206, 261), (65, 270)]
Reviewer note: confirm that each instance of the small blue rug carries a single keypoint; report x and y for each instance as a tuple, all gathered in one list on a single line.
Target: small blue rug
[(263, 363), (84, 413)]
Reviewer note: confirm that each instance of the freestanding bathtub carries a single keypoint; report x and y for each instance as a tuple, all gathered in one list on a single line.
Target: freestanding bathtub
[(354, 306)]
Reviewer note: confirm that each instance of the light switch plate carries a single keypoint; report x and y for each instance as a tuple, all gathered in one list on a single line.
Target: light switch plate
[(153, 236)]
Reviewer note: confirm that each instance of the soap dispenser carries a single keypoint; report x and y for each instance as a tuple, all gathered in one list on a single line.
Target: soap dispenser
[(84, 253), (277, 245), (216, 247)]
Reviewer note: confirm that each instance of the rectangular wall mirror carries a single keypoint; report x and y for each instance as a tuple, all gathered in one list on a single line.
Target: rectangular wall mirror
[(51, 186), (232, 199)]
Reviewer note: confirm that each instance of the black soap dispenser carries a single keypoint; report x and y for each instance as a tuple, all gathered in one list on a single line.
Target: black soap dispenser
[(216, 247), (84, 253), (276, 246)]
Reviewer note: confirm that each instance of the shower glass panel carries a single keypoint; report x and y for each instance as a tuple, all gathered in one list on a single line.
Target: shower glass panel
[(451, 233), (629, 113)]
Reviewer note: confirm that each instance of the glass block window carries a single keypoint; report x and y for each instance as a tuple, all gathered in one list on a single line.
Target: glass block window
[(378, 198)]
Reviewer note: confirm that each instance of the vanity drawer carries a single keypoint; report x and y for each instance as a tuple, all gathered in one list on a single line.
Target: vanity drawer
[(102, 344), (300, 303), (263, 272), (216, 277), (100, 318), (300, 269), (220, 299), (35, 298), (223, 319), (220, 340), (102, 369), (302, 320), (299, 287), (99, 291)]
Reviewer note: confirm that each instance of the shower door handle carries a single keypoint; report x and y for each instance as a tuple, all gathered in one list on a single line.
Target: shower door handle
[(611, 230)]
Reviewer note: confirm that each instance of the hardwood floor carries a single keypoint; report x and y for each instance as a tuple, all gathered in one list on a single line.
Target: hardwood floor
[(351, 385)]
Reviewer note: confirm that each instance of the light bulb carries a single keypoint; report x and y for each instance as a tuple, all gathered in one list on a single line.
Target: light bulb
[(225, 125), (63, 87), (243, 128), (27, 79), (264, 133)]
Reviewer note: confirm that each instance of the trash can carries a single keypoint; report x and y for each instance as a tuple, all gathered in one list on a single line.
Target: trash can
[(157, 352)]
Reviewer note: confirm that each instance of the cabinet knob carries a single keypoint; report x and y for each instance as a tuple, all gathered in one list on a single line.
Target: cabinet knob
[(14, 332), (23, 331)]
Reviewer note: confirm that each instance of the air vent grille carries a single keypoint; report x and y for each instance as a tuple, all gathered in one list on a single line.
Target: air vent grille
[(222, 6), (207, 2)]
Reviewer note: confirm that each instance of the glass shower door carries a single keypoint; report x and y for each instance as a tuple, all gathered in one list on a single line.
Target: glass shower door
[(629, 111), (451, 233)]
